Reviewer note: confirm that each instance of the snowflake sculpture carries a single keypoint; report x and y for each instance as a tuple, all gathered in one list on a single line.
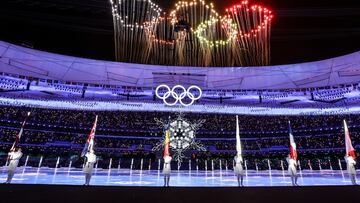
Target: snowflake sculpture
[(182, 136)]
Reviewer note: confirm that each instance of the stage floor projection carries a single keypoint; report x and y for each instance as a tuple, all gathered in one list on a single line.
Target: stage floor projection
[(218, 178)]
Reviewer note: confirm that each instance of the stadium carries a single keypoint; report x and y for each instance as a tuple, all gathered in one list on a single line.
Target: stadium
[(196, 103)]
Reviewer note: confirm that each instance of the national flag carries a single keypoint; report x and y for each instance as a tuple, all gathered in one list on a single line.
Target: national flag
[(167, 143), (90, 140), (349, 148), (293, 152), (238, 142), (18, 136)]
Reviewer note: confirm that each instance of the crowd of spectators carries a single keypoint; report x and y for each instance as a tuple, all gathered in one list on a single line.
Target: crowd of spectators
[(118, 120), (126, 135)]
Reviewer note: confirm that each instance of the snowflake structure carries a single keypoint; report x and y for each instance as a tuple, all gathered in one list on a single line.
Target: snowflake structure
[(182, 136)]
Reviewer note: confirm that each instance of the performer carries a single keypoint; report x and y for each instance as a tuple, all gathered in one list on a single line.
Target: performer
[(292, 159), (89, 154), (350, 163), (292, 170), (239, 170), (15, 155), (90, 160), (167, 158), (350, 155)]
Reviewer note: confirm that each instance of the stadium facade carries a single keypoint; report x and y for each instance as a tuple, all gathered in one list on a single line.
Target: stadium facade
[(321, 87)]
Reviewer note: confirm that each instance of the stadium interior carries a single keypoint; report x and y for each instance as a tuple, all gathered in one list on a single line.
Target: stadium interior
[(203, 82)]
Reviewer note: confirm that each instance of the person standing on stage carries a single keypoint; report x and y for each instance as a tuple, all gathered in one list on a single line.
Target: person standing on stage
[(292, 170), (350, 163), (350, 155), (238, 169), (90, 160), (15, 155), (167, 158), (167, 170), (89, 154), (292, 159)]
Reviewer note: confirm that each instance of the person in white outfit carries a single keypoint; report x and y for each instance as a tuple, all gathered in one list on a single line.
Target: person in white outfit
[(167, 170), (14, 157), (292, 170), (350, 163), (239, 170), (90, 160)]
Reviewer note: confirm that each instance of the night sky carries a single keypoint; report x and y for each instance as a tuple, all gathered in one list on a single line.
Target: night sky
[(302, 30)]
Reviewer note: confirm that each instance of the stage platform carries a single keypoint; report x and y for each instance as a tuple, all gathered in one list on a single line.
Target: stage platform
[(24, 193), (123, 185), (154, 178)]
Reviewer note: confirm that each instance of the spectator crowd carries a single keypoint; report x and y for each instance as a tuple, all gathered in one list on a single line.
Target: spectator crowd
[(132, 135)]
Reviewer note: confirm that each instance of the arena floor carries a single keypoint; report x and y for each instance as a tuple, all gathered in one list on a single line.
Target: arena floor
[(126, 177)]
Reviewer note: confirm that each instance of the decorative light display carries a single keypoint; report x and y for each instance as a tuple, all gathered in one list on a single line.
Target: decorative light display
[(179, 96), (193, 34), (253, 44), (182, 137), (231, 30), (129, 18), (162, 40)]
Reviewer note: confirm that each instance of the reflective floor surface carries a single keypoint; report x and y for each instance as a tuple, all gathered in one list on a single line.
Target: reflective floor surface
[(218, 178)]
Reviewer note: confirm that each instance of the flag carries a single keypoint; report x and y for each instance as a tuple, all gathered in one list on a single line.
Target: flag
[(293, 152), (349, 148), (238, 142), (167, 140), (167, 143), (90, 140), (18, 136)]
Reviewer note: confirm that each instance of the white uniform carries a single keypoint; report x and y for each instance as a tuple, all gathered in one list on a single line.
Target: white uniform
[(90, 161), (239, 170), (350, 163), (89, 165), (167, 166), (292, 167), (14, 160)]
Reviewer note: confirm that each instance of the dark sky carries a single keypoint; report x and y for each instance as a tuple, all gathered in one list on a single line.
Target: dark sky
[(302, 30)]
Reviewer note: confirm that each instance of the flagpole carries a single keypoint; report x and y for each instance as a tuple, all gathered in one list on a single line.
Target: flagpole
[(18, 136)]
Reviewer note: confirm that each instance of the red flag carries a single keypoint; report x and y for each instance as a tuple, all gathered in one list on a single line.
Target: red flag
[(90, 140), (349, 148), (293, 152)]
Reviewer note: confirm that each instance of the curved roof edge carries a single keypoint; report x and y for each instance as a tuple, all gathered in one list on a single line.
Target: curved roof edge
[(39, 64), (154, 107)]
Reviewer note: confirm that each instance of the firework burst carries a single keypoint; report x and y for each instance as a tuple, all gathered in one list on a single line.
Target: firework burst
[(193, 34)]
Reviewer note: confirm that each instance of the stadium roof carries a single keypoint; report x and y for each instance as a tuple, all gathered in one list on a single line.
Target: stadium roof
[(305, 30), (38, 64)]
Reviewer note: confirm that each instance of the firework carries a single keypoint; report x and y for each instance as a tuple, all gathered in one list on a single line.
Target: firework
[(252, 46), (129, 17), (193, 34), (162, 41)]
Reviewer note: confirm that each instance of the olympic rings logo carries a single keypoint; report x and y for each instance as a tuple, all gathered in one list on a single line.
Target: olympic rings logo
[(178, 97)]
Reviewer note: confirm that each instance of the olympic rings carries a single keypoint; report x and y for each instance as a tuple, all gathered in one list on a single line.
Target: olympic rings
[(178, 97), (226, 24)]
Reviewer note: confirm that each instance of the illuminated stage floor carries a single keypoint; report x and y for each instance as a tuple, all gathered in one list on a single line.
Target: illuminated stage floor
[(126, 177)]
